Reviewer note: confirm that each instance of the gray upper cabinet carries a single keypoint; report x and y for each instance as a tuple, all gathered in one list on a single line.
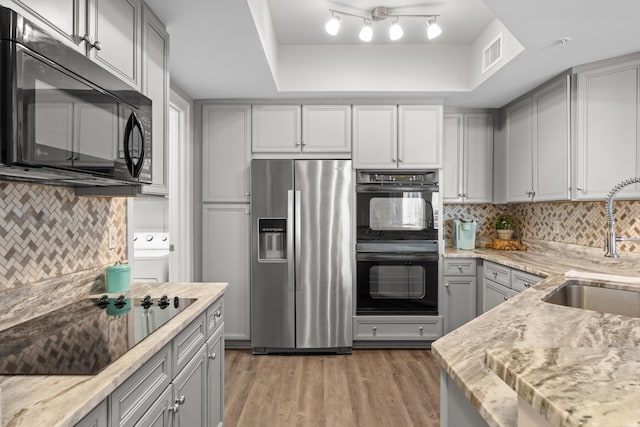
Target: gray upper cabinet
[(108, 31), (468, 157), (276, 129), (64, 19), (226, 153), (155, 85), (520, 147), (538, 142), (608, 144), (302, 131), (115, 25), (397, 137)]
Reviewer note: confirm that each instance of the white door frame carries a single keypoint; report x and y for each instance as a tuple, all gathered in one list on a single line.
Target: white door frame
[(180, 148)]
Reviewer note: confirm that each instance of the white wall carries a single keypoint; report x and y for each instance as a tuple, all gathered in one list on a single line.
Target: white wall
[(389, 68)]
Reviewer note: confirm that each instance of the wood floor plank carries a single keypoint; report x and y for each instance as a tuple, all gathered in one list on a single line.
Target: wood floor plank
[(368, 388)]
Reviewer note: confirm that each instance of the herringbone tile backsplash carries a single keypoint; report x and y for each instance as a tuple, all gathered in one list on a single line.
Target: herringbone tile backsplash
[(581, 223), (47, 231)]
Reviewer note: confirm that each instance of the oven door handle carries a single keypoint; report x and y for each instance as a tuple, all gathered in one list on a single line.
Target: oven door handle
[(405, 256), (390, 188)]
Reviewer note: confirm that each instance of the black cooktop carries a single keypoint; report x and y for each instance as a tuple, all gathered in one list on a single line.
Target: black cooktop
[(84, 337)]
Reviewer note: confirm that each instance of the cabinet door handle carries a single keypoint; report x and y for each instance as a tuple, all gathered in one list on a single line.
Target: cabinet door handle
[(247, 194), (400, 160), (580, 188), (527, 285), (460, 268), (393, 159), (247, 213), (297, 143), (89, 40), (495, 274), (212, 356), (446, 285), (218, 314)]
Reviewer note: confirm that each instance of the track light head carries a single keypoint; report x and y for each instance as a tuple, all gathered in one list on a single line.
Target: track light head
[(366, 33), (333, 25), (395, 31), (433, 29)]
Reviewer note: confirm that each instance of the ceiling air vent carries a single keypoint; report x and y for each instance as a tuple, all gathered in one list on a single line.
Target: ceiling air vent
[(492, 53)]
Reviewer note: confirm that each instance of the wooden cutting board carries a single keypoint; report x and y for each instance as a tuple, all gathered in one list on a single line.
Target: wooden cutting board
[(507, 245)]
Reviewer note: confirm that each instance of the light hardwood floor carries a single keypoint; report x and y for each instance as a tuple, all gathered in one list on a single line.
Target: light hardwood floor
[(373, 388)]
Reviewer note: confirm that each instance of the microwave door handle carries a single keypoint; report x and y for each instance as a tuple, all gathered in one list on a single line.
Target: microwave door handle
[(133, 124)]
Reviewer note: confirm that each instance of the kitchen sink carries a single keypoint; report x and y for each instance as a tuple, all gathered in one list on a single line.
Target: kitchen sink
[(597, 298)]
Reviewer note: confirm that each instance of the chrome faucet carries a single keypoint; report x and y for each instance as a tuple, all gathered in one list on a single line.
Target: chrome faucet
[(611, 239)]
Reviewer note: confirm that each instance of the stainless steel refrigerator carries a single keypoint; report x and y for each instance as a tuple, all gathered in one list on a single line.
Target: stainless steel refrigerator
[(301, 265)]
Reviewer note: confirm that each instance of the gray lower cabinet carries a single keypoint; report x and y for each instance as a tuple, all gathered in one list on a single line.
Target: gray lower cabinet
[(397, 328), (455, 409), (98, 417), (495, 294), (160, 414), (215, 378), (190, 392), (500, 283), (459, 296)]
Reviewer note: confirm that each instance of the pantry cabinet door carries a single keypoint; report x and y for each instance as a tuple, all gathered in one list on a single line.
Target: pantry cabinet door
[(226, 258), (519, 147)]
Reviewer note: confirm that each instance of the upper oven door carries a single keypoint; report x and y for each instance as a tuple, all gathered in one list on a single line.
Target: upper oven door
[(393, 212), (67, 123)]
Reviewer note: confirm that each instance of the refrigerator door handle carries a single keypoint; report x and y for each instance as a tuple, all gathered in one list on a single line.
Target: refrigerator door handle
[(298, 243), (291, 268)]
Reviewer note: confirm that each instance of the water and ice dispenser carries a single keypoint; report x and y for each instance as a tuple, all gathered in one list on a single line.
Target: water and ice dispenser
[(272, 239)]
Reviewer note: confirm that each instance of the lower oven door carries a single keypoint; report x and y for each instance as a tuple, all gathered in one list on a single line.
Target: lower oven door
[(397, 283)]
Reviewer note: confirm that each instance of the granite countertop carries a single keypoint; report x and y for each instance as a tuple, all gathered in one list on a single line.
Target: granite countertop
[(63, 400), (526, 347)]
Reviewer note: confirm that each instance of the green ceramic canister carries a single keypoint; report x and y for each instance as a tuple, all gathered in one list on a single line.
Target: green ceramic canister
[(118, 277)]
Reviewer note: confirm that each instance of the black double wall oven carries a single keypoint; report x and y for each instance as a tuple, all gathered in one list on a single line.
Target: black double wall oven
[(397, 242)]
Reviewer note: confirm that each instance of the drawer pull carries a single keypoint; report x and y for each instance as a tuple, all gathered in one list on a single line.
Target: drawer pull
[(218, 314), (495, 274), (460, 268), (374, 329), (420, 329), (212, 356), (527, 285), (506, 298)]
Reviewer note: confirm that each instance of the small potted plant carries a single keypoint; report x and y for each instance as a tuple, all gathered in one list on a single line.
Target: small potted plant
[(505, 225)]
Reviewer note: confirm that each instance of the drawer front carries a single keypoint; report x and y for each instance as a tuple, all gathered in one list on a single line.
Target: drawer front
[(187, 343), (130, 401), (498, 273), (521, 280), (215, 316), (397, 330), (459, 267)]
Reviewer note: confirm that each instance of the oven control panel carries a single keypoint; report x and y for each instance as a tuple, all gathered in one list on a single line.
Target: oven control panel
[(400, 177)]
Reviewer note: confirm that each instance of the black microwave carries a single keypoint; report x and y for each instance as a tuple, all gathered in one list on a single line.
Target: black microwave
[(64, 119)]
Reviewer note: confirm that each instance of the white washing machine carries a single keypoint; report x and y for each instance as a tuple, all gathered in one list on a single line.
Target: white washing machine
[(151, 257)]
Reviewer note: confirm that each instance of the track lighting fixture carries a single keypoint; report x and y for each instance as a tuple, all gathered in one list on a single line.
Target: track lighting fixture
[(381, 13)]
